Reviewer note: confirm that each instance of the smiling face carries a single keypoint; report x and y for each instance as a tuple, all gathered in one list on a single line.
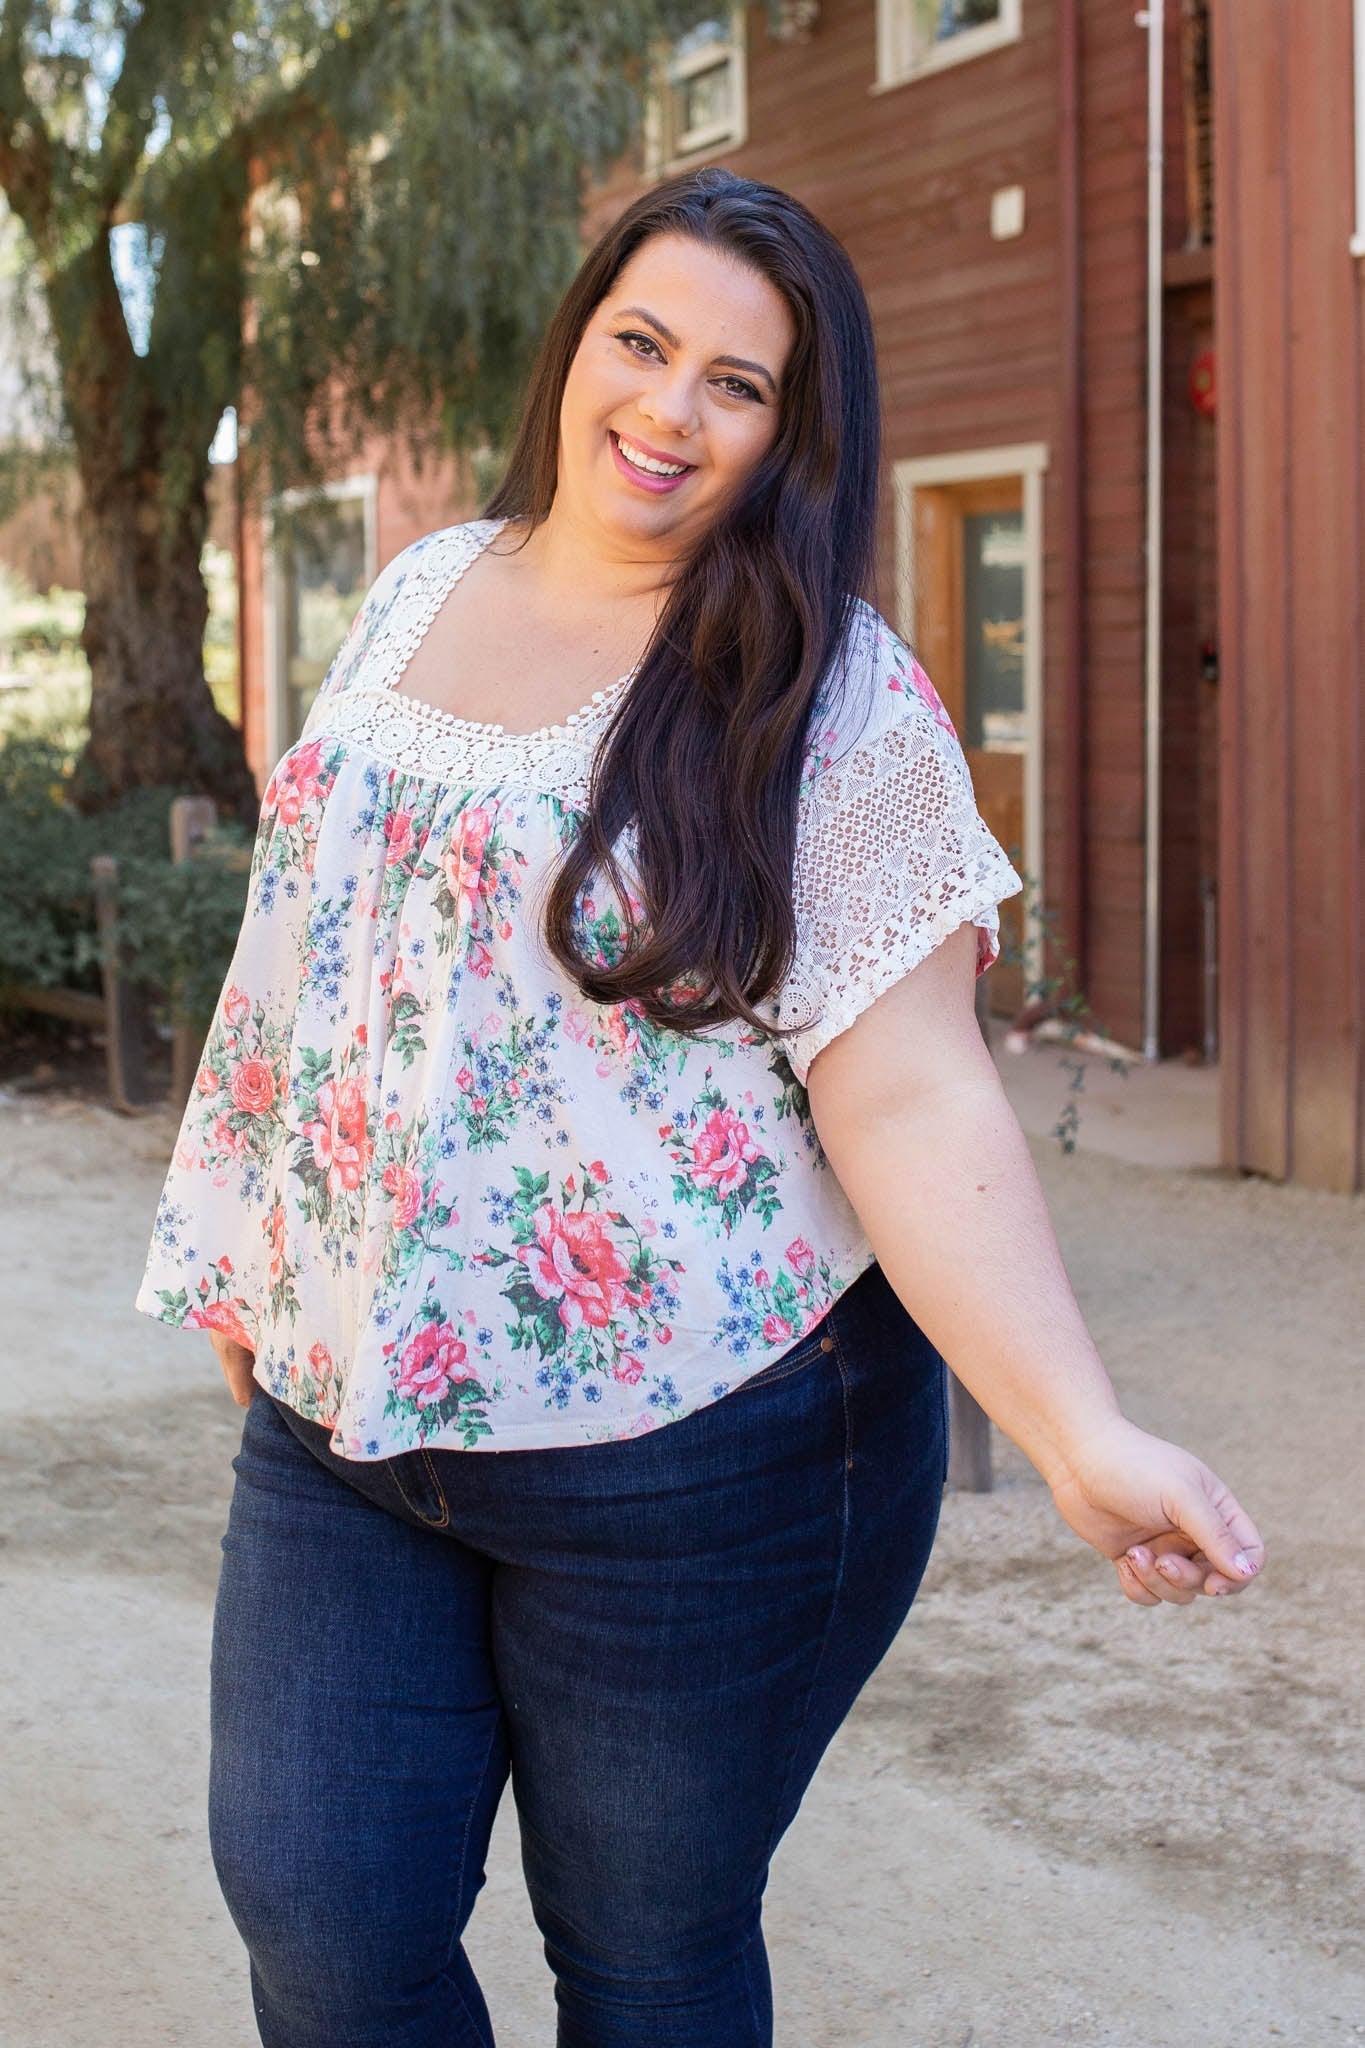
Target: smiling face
[(681, 364)]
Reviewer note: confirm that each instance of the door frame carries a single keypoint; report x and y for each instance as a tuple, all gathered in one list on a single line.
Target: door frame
[(1028, 461)]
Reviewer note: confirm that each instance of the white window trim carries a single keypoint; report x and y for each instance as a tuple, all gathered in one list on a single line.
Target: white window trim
[(730, 136), (1028, 460), (365, 487), (1358, 238), (895, 68)]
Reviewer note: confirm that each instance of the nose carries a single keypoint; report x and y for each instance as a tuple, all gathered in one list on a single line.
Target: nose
[(670, 406)]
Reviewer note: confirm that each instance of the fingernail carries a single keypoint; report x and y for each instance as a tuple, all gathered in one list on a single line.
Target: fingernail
[(1244, 1564), (1167, 1569), (1136, 1558)]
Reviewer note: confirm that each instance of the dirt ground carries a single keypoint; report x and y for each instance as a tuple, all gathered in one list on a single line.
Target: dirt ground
[(1052, 1816)]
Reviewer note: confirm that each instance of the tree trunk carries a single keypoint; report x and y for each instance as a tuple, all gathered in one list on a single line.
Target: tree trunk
[(152, 717)]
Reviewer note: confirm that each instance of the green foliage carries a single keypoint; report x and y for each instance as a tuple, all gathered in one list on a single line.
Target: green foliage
[(178, 922), (413, 176)]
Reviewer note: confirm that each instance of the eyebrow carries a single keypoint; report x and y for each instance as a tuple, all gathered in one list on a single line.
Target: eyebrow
[(734, 362)]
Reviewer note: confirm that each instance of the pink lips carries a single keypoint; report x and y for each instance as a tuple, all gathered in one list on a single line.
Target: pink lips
[(642, 477)]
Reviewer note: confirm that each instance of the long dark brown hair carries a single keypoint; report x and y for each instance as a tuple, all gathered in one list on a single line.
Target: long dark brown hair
[(703, 753)]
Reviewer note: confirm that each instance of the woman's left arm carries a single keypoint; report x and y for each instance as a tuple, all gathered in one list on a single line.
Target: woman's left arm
[(914, 1122)]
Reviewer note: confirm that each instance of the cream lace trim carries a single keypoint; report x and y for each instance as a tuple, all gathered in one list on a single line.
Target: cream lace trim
[(405, 733), (892, 856)]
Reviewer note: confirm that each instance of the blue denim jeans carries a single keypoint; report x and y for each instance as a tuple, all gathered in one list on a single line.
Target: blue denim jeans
[(657, 1638)]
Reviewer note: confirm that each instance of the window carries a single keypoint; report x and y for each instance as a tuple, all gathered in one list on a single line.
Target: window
[(993, 561), (918, 36), (320, 564), (698, 104)]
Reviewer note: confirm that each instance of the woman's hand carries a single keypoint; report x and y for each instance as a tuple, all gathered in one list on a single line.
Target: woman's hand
[(1170, 1524), (237, 1363)]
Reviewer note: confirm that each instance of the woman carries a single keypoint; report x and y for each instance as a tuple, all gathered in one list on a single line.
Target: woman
[(597, 1085)]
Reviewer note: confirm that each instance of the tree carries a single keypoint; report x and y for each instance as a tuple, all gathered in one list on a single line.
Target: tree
[(347, 213)]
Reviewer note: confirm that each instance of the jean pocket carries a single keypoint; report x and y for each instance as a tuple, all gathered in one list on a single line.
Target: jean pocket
[(420, 1490), (807, 1353)]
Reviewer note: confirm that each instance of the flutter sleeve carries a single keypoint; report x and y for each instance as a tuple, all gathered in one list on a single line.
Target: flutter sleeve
[(892, 853)]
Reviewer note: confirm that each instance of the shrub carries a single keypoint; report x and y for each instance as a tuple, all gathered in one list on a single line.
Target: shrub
[(178, 921)]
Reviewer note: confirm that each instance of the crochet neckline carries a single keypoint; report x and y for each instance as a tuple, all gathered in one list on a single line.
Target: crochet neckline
[(443, 582)]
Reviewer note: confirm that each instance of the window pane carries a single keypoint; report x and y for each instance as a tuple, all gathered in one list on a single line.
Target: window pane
[(935, 21), (324, 582), (704, 102), (993, 631)]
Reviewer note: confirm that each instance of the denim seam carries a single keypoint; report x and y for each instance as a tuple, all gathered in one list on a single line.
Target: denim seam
[(427, 1521), (746, 1963), (453, 1940), (439, 1490), (835, 1594)]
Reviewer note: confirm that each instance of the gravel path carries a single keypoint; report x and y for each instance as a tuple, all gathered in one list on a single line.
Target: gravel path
[(1052, 1816)]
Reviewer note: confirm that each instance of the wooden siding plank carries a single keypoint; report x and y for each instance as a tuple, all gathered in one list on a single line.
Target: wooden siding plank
[(1324, 564), (1254, 219)]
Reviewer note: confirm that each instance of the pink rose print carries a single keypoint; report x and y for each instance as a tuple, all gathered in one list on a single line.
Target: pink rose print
[(399, 833), (320, 1358), (398, 983), (338, 1136), (430, 1365), (623, 1030), (276, 1244), (574, 1263), (236, 1005), (776, 1329), (406, 1188), (206, 1081), (252, 1086), (463, 864), (799, 1256), (294, 784), (923, 689), (628, 1368), (221, 1316), (226, 1138), (722, 1151)]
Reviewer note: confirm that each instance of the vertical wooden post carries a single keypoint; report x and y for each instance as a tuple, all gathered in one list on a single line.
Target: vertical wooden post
[(969, 1426), (126, 1065), (192, 819)]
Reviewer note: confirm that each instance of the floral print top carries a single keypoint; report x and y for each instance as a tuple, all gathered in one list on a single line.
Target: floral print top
[(445, 1198)]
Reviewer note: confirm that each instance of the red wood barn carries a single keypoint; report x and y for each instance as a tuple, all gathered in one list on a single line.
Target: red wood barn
[(1180, 758)]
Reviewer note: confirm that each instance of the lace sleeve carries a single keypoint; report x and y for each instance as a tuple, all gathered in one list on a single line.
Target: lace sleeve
[(892, 856)]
